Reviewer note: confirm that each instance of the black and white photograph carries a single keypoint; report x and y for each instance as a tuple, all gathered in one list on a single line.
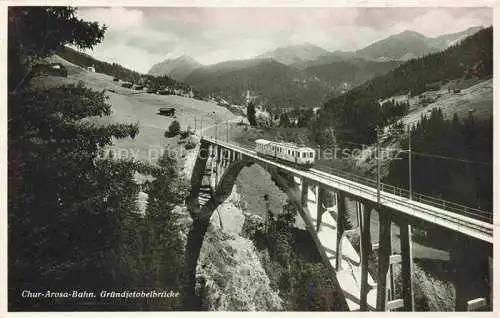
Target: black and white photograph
[(239, 158)]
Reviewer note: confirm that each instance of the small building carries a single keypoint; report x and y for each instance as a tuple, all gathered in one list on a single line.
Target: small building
[(91, 68), (167, 111), (56, 69)]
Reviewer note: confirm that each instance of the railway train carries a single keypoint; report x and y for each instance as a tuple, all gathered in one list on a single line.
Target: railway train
[(289, 153)]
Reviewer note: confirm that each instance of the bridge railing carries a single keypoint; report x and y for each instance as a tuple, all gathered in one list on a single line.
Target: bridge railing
[(477, 214), (418, 197)]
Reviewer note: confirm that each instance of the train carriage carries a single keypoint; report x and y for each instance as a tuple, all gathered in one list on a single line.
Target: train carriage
[(302, 157)]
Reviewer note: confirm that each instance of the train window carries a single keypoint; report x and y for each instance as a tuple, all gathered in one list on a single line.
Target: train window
[(288, 151), (311, 154)]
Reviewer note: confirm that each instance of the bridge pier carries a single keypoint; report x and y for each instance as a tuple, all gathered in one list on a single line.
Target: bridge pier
[(223, 159), (228, 157), (363, 213), (384, 253), (304, 192), (218, 166), (472, 272), (341, 211), (407, 266), (210, 163), (320, 194)]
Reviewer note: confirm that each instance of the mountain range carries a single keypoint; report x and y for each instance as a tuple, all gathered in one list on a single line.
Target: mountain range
[(177, 69), (306, 74)]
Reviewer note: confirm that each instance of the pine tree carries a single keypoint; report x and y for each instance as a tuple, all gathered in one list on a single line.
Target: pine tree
[(251, 114), (71, 213)]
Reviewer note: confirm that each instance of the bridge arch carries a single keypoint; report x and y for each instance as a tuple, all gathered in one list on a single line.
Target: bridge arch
[(201, 214)]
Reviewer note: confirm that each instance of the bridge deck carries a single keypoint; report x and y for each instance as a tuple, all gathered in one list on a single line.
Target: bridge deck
[(440, 216)]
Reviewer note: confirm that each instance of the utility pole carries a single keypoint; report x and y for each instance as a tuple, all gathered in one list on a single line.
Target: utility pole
[(227, 132), (216, 131), (408, 134), (266, 224), (194, 123), (378, 165), (409, 164)]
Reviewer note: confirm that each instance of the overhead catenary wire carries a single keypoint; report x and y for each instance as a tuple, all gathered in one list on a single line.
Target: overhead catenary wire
[(447, 158), (423, 154)]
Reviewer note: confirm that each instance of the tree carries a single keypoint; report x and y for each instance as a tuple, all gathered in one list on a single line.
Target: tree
[(36, 32), (174, 129), (251, 114), (305, 117), (71, 220), (284, 120)]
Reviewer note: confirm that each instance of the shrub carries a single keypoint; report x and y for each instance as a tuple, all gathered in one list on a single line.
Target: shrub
[(186, 133), (190, 144), (174, 129), (115, 79)]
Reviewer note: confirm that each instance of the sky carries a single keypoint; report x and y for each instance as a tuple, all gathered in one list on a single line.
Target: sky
[(138, 37)]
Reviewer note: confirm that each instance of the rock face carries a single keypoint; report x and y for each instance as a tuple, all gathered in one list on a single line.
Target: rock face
[(229, 273), (184, 220), (228, 216)]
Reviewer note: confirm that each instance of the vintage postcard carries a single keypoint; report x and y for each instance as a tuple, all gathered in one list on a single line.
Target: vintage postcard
[(249, 158)]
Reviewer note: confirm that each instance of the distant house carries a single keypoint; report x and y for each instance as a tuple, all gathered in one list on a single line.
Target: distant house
[(54, 69), (91, 68), (167, 111), (164, 92)]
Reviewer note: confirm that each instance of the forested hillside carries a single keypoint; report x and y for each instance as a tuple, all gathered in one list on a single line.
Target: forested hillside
[(453, 159), (343, 75), (355, 114), (275, 83), (473, 57), (118, 71)]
